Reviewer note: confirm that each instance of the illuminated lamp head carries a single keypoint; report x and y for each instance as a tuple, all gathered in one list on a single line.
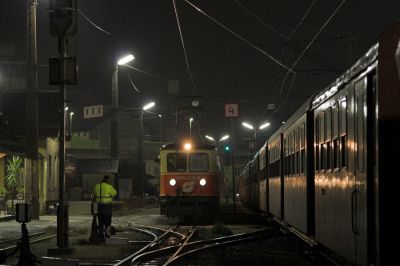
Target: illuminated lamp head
[(187, 146)]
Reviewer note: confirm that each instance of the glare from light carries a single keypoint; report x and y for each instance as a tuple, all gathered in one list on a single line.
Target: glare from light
[(126, 59), (247, 125), (148, 106), (66, 108), (203, 182), (159, 115), (172, 182), (224, 138), (71, 114), (191, 120), (187, 146), (210, 138), (264, 125)]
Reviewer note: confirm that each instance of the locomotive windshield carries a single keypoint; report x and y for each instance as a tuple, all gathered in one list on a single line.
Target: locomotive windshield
[(198, 162), (176, 162)]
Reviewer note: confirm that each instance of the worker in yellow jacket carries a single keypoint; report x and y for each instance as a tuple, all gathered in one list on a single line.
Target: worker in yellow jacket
[(103, 194)]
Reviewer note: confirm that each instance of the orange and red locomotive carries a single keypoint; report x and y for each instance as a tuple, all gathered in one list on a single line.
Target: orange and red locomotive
[(189, 179)]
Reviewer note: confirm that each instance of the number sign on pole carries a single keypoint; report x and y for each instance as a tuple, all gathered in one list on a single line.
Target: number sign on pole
[(231, 110)]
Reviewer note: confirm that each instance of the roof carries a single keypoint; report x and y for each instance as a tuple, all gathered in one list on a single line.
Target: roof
[(98, 166)]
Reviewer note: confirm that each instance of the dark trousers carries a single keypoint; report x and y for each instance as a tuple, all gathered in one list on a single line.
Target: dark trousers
[(104, 216)]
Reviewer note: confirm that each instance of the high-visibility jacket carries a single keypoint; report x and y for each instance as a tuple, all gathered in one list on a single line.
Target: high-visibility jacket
[(103, 192)]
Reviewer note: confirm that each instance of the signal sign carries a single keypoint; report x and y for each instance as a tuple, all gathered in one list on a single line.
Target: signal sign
[(231, 110)]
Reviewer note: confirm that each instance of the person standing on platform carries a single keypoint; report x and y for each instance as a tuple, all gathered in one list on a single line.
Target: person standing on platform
[(103, 194)]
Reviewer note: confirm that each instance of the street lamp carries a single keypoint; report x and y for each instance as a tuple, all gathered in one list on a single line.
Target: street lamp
[(140, 147), (190, 128), (261, 127), (70, 124), (114, 104), (210, 138)]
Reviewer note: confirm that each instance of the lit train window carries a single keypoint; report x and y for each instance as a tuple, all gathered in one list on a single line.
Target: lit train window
[(176, 162), (198, 162)]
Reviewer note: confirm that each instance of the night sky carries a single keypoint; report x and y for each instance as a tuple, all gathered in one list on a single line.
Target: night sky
[(224, 67)]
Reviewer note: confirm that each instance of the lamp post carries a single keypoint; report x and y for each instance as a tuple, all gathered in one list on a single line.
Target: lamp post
[(255, 130), (190, 128), (160, 116), (114, 105), (141, 162)]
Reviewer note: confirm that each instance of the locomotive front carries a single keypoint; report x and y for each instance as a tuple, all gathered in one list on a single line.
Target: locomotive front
[(188, 179)]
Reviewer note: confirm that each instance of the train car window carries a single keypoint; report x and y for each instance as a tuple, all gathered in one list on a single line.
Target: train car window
[(328, 124), (343, 151), (336, 153), (321, 127), (303, 161), (198, 162), (343, 116), (323, 157), (317, 157), (176, 162), (335, 121), (328, 156)]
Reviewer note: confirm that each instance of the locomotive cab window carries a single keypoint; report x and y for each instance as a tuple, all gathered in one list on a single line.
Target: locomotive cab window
[(198, 162), (176, 162)]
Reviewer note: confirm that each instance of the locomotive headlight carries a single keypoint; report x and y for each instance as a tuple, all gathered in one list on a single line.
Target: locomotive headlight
[(172, 182), (203, 182)]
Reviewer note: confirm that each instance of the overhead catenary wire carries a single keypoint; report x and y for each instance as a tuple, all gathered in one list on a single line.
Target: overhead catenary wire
[(287, 39), (133, 84), (240, 37), (315, 37), (194, 89), (299, 58), (92, 23)]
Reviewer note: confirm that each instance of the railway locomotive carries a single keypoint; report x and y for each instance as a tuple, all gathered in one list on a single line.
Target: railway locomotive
[(189, 184), (329, 173)]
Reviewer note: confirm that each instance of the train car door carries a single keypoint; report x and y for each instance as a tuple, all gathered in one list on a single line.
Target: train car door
[(359, 194)]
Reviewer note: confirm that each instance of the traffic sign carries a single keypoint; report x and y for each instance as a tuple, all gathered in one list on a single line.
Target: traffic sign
[(231, 110)]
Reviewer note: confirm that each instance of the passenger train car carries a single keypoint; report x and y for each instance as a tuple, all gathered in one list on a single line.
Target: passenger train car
[(189, 179), (332, 167)]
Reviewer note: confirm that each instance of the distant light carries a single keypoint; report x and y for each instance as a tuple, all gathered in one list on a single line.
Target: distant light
[(126, 59), (247, 125), (187, 146), (227, 148), (72, 113), (172, 182), (66, 108), (224, 138), (191, 119), (148, 106), (210, 138), (264, 125), (159, 115), (203, 182)]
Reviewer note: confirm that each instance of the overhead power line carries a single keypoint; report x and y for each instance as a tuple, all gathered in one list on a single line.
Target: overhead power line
[(194, 89), (92, 23), (240, 37)]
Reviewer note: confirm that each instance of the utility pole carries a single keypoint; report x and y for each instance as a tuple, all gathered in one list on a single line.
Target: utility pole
[(114, 118), (233, 131), (62, 71), (141, 164), (31, 131)]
